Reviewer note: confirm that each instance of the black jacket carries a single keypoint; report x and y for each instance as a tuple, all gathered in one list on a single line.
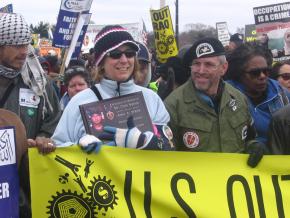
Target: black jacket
[(34, 122), (279, 132)]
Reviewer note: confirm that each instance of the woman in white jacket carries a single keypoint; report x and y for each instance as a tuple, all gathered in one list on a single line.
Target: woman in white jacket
[(116, 64)]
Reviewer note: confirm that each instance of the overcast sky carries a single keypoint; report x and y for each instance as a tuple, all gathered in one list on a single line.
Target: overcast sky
[(236, 13)]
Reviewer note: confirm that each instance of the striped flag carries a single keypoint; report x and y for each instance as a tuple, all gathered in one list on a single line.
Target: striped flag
[(144, 34)]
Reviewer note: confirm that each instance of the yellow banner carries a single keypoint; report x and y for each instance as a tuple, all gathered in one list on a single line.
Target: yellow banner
[(165, 42), (120, 182)]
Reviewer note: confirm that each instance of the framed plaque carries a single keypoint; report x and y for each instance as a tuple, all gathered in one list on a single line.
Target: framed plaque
[(115, 112)]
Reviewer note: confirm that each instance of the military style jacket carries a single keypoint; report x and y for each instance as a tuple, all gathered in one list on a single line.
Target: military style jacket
[(197, 126)]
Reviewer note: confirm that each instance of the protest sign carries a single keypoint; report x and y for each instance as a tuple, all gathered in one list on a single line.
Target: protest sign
[(273, 28), (43, 42), (44, 51), (122, 182), (45, 46), (223, 33), (9, 185), (67, 19), (165, 42), (250, 33)]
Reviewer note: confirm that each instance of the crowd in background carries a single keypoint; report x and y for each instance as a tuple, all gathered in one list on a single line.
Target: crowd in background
[(214, 98)]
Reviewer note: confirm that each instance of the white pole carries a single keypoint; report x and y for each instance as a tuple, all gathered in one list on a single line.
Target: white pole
[(162, 3), (79, 25)]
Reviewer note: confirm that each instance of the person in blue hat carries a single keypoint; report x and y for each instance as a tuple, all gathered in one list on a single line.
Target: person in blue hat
[(206, 113), (143, 78)]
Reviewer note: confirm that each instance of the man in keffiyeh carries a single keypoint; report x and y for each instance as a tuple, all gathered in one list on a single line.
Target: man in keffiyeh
[(24, 88)]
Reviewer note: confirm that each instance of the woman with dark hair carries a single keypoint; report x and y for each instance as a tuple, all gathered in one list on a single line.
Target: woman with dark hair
[(116, 65), (76, 79), (249, 70), (281, 73)]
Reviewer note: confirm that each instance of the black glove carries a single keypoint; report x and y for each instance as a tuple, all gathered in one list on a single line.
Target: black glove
[(256, 150), (166, 86)]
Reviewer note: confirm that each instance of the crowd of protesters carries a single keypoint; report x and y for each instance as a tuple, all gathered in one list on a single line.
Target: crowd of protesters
[(214, 99)]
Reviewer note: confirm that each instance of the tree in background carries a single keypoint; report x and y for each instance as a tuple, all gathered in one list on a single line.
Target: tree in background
[(192, 33), (42, 29)]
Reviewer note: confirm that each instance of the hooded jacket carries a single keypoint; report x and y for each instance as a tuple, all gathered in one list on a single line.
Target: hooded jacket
[(276, 98)]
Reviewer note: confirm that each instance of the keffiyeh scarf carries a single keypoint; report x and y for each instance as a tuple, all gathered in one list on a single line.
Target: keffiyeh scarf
[(32, 75)]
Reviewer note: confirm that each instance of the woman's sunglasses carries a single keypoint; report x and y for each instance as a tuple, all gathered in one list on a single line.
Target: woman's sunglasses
[(285, 76), (257, 72), (116, 54)]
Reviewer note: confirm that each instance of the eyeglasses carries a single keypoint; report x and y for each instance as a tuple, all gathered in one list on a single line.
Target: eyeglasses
[(207, 65), (75, 69), (257, 72), (285, 76), (116, 54)]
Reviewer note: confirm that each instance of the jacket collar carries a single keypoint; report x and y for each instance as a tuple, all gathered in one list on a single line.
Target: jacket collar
[(190, 95), (114, 88), (190, 89)]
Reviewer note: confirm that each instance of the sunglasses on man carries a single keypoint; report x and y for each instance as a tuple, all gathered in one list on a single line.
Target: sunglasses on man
[(257, 72), (116, 54), (284, 76)]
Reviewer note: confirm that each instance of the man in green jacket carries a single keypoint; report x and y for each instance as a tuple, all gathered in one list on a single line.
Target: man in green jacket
[(208, 114)]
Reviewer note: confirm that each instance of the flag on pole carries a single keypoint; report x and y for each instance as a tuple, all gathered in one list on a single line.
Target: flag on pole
[(50, 34), (78, 37), (144, 34)]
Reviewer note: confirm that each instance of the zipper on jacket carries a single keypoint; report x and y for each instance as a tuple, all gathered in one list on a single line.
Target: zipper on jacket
[(118, 88)]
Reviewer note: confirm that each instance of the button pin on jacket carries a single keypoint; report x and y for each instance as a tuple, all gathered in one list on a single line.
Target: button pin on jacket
[(30, 112), (233, 105)]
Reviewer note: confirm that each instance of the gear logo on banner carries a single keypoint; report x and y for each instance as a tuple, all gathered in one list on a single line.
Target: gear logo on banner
[(98, 194), (102, 193), (70, 204)]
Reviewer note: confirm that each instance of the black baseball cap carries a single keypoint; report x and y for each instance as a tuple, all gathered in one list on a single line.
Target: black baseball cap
[(206, 47)]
